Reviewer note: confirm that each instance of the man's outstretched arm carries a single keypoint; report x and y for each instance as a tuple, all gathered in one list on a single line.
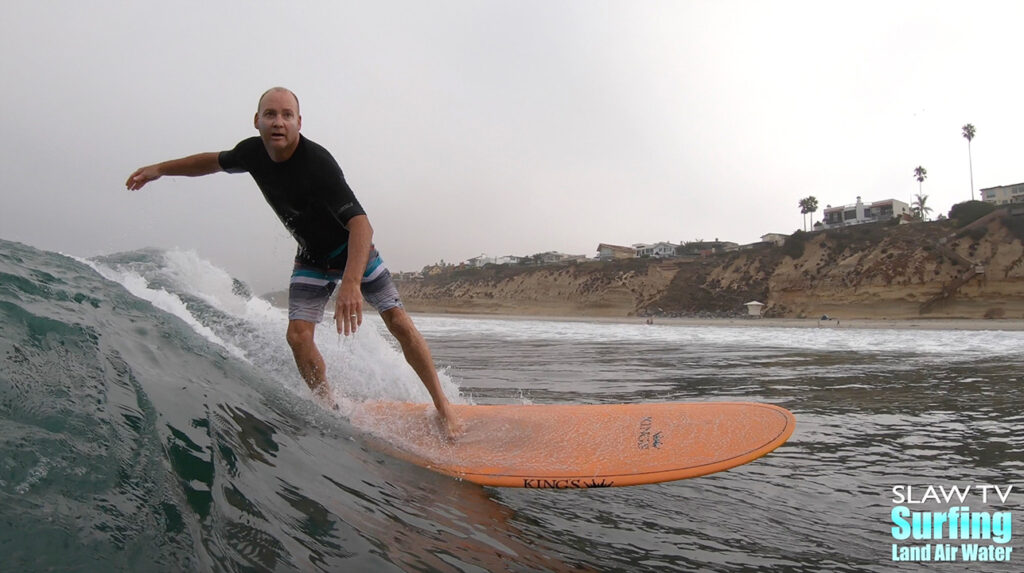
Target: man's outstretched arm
[(191, 166)]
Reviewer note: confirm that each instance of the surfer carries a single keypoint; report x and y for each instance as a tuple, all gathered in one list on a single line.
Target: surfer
[(304, 185)]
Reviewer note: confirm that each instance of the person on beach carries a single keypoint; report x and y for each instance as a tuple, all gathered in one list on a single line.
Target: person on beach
[(307, 189)]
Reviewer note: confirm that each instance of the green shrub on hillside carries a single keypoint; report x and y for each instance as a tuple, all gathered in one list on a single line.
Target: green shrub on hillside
[(970, 211), (794, 245)]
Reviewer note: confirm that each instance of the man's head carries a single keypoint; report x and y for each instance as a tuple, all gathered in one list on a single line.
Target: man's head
[(278, 121)]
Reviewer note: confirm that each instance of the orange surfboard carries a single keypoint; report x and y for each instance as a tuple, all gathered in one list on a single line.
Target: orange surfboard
[(580, 446)]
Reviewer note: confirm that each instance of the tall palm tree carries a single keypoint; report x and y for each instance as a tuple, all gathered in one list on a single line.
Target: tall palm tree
[(968, 132), (812, 207), (920, 208), (920, 173), (808, 205)]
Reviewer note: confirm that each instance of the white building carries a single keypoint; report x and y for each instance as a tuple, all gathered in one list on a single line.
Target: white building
[(656, 251), (485, 260), (754, 308), (508, 260), (860, 212), (552, 257), (1004, 194), (480, 261)]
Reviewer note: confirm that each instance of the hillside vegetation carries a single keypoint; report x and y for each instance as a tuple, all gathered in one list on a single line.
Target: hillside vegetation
[(941, 269)]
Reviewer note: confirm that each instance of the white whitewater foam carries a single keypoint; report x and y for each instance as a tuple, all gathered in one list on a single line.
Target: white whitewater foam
[(165, 301), (365, 366), (924, 344)]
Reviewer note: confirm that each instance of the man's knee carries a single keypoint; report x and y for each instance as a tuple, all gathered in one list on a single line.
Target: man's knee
[(300, 334), (399, 324)]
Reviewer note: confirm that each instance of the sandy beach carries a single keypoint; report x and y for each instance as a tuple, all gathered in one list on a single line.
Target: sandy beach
[(907, 324)]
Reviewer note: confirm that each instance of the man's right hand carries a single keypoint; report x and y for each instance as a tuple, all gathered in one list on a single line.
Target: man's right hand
[(142, 176), (348, 307), (191, 166)]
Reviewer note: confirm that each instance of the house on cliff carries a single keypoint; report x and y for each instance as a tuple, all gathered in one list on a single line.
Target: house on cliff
[(434, 270), (606, 252), (706, 248), (767, 240), (860, 212), (553, 257), (1003, 194), (656, 251), (480, 261)]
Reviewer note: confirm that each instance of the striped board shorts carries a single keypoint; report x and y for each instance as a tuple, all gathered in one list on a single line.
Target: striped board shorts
[(311, 287)]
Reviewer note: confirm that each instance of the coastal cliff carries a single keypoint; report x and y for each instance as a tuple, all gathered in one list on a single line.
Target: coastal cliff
[(866, 271)]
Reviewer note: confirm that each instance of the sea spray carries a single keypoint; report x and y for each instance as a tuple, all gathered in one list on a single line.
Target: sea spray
[(361, 367)]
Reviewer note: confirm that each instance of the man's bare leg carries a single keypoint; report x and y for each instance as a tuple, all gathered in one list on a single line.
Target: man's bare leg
[(309, 360), (417, 354)]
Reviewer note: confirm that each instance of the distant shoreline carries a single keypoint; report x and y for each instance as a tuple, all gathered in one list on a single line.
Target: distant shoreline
[(908, 323), (856, 323)]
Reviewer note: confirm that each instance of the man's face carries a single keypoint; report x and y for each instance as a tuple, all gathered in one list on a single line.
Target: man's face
[(279, 122)]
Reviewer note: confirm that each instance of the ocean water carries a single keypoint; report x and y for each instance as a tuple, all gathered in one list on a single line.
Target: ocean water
[(151, 419)]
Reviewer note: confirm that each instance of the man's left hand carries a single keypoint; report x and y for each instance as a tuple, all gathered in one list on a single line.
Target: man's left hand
[(348, 309)]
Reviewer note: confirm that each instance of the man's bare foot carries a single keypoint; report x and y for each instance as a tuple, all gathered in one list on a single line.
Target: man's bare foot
[(324, 398), (450, 423)]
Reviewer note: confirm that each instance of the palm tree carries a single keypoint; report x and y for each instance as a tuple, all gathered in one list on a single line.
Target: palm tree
[(968, 132), (920, 173), (808, 205), (919, 207), (812, 207)]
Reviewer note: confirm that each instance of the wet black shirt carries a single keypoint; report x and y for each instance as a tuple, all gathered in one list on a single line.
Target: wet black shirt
[(308, 192)]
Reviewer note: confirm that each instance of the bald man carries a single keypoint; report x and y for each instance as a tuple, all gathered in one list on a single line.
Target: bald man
[(307, 189)]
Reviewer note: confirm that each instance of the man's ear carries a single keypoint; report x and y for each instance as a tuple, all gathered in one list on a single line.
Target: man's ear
[(300, 121), (256, 120)]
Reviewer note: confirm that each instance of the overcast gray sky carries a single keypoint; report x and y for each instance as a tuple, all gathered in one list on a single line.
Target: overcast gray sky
[(512, 127)]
